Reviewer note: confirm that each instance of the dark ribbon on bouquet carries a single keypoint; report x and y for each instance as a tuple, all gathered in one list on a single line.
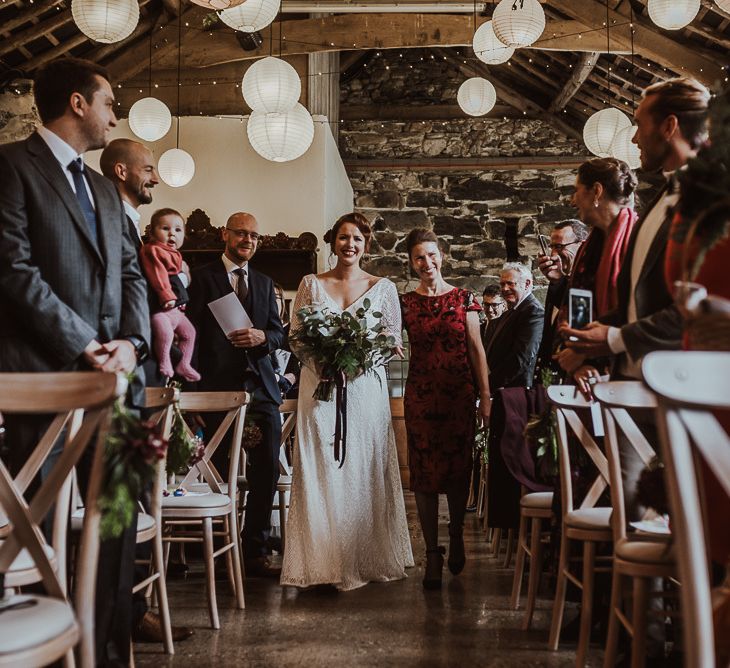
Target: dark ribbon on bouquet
[(340, 417)]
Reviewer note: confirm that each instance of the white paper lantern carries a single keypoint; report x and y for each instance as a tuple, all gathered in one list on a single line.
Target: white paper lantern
[(724, 5), (252, 15), (488, 48), (271, 85), (673, 14), (281, 137), (476, 96), (218, 4), (601, 129), (176, 167), (518, 22), (105, 21), (150, 119), (624, 149)]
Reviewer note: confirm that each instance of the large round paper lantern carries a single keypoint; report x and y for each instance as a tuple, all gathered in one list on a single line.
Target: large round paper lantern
[(601, 129), (176, 167), (218, 4), (673, 14), (251, 16), (624, 149), (281, 137), (488, 48), (271, 85), (105, 21), (724, 5), (476, 96), (518, 23), (150, 119)]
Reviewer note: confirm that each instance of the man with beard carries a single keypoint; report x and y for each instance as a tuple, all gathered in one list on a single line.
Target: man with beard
[(241, 361), (71, 292)]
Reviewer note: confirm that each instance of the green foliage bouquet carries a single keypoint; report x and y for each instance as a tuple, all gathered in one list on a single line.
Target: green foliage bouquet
[(343, 345)]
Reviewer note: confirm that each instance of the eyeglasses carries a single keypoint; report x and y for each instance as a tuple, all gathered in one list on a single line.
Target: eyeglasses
[(494, 307), (245, 234), (559, 247)]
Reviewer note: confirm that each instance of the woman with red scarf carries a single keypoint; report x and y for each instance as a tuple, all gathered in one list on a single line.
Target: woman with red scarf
[(604, 189)]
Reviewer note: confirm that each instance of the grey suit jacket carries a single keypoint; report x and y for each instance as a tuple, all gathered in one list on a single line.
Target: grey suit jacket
[(58, 289)]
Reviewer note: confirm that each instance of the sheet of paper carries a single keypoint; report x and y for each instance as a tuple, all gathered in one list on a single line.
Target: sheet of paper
[(229, 313)]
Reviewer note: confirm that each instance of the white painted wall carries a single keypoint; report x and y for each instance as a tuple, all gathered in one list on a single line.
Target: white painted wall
[(305, 195)]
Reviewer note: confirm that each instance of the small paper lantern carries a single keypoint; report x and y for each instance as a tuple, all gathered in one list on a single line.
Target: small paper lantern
[(488, 48), (150, 119), (476, 96), (218, 4), (176, 167), (251, 16), (518, 22), (673, 14), (271, 85), (105, 21), (281, 137), (724, 5), (601, 129), (624, 149)]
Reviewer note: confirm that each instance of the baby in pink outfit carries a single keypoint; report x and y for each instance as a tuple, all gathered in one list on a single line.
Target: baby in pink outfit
[(162, 263)]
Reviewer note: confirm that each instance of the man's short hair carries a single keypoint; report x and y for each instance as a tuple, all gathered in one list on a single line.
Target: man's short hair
[(158, 215), (55, 82), (493, 290), (686, 99), (579, 229), (522, 269), (116, 151)]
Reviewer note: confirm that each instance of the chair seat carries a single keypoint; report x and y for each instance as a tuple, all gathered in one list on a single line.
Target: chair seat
[(24, 562), (284, 483), (645, 552), (25, 628), (589, 519), (145, 522), (542, 500), (204, 488), (195, 500)]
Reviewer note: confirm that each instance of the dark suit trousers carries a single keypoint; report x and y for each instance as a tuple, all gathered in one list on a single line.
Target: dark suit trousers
[(263, 470)]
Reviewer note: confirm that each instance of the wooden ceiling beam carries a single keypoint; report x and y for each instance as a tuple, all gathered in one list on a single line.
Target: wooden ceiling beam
[(32, 12), (38, 30), (648, 40), (55, 52), (581, 71)]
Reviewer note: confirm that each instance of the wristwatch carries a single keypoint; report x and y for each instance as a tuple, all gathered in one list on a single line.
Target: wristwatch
[(140, 347)]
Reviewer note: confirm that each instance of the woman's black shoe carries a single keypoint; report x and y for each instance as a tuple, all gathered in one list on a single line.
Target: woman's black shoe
[(457, 555), (434, 566)]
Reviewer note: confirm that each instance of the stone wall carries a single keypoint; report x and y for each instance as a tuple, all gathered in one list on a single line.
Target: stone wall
[(18, 116)]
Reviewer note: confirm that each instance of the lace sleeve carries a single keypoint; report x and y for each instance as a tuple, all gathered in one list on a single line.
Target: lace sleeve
[(305, 297), (390, 308)]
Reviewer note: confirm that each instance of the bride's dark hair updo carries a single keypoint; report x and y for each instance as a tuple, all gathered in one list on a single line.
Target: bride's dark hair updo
[(618, 180), (354, 218)]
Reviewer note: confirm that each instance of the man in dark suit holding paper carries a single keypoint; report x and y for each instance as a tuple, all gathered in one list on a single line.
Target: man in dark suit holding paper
[(240, 360)]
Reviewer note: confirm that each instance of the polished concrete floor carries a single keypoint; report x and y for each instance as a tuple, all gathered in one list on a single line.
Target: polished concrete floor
[(468, 623)]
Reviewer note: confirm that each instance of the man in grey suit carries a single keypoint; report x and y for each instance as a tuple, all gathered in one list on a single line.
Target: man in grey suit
[(71, 292)]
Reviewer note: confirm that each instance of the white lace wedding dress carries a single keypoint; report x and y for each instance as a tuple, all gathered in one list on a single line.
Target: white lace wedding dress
[(347, 526)]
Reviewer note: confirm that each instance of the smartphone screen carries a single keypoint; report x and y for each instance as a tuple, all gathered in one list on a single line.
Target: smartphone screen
[(580, 308), (544, 244)]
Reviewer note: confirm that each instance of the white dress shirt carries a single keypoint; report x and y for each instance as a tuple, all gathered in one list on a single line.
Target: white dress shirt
[(133, 215), (65, 154)]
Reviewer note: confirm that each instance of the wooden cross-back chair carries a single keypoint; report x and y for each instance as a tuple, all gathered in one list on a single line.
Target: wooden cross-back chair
[(216, 499), (39, 629), (691, 387), (641, 558), (288, 410), (586, 524)]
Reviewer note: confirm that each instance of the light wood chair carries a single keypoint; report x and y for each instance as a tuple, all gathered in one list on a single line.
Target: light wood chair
[(212, 499), (535, 509), (689, 386), (639, 557), (40, 629), (288, 410), (587, 524)]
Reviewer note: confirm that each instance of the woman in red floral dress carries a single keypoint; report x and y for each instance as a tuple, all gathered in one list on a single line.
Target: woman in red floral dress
[(446, 368)]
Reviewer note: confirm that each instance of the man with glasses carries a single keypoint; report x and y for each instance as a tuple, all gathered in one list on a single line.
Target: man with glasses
[(241, 361), (494, 306), (565, 242)]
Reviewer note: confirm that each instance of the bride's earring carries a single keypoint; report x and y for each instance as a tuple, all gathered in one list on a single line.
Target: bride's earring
[(595, 203)]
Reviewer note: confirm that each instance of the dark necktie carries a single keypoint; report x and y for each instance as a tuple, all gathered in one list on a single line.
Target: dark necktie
[(76, 167), (242, 289)]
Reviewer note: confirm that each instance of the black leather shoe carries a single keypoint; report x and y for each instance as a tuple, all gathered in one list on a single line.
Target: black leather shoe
[(261, 567), (434, 566), (457, 555), (150, 630)]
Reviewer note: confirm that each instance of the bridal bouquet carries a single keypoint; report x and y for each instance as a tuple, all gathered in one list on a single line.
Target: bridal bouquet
[(344, 346)]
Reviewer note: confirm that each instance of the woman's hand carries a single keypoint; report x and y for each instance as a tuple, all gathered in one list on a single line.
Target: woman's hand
[(585, 378), (569, 360)]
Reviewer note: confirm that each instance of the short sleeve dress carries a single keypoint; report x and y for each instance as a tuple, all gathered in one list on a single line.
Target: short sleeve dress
[(440, 394)]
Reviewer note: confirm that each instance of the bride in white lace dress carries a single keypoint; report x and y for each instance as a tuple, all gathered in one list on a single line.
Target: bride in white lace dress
[(346, 526)]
